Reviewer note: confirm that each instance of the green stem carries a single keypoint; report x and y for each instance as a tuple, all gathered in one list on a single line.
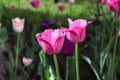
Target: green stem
[(18, 3), (114, 56), (67, 70), (21, 73), (17, 50), (56, 66), (70, 10), (77, 62)]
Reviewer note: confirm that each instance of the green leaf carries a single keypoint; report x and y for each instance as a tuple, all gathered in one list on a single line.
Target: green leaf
[(103, 57), (93, 67), (3, 35)]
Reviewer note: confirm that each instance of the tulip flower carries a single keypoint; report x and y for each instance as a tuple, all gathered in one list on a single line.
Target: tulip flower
[(77, 30), (26, 61), (56, 1), (35, 3), (45, 23), (18, 24), (51, 41), (61, 7), (71, 1), (12, 8), (68, 48), (114, 5)]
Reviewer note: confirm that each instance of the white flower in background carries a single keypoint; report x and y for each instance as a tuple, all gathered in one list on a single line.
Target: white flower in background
[(26, 61), (0, 25), (71, 1), (18, 24)]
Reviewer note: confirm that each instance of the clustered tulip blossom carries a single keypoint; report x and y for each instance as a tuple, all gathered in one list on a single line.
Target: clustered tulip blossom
[(51, 41), (35, 3), (18, 24)]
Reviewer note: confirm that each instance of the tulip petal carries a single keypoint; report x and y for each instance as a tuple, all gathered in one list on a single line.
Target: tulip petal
[(82, 35), (70, 22), (79, 23), (46, 47), (44, 44), (58, 44), (72, 36)]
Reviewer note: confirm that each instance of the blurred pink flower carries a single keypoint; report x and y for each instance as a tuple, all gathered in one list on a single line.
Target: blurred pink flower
[(51, 41), (35, 3), (101, 1), (61, 7), (114, 5), (77, 30), (12, 8), (71, 1), (18, 24), (58, 23), (26, 61)]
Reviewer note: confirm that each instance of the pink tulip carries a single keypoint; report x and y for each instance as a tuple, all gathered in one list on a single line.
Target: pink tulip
[(51, 41), (35, 3), (77, 30), (61, 7), (114, 5), (26, 61), (18, 24), (12, 8)]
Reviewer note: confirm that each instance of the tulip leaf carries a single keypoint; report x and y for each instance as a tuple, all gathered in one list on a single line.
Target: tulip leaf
[(93, 67), (103, 57), (3, 36)]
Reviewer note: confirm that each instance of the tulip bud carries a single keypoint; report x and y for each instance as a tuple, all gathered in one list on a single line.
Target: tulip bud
[(26, 61), (18, 24), (61, 7)]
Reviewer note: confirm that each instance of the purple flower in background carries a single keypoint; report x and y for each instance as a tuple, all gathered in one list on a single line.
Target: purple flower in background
[(45, 23), (35, 3), (58, 23), (12, 8), (96, 22), (101, 1), (34, 77), (68, 48), (61, 7), (56, 1)]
